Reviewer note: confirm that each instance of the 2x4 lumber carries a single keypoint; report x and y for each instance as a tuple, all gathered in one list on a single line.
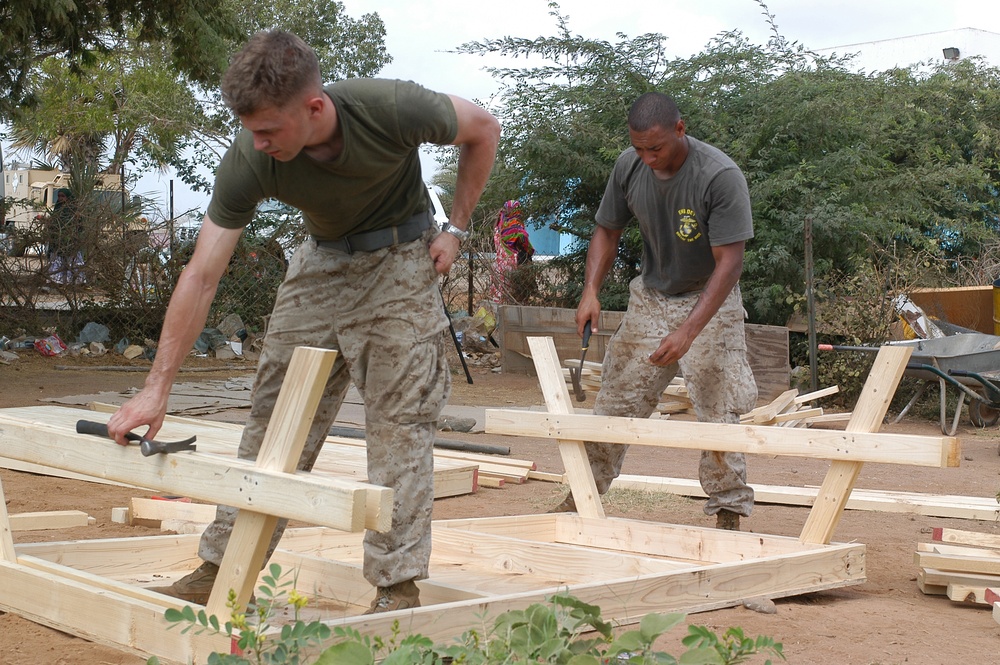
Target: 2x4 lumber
[(51, 519), (816, 394), (560, 563), (626, 600), (869, 412), (851, 446), (571, 449), (887, 501), (306, 497), (284, 440), (778, 405), (150, 512), (6, 536), (106, 612), (673, 541), (960, 537)]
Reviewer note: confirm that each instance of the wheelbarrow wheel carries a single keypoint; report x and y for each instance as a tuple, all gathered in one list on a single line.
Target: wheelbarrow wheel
[(982, 415)]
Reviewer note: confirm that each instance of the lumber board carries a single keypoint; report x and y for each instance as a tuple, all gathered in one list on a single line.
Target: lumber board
[(280, 451), (51, 519), (571, 448), (6, 535), (887, 501), (150, 512), (850, 446), (104, 613), (627, 575), (961, 537), (868, 414), (307, 497), (958, 563)]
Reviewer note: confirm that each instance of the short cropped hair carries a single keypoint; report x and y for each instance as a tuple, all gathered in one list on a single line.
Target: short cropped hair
[(273, 68), (653, 109)]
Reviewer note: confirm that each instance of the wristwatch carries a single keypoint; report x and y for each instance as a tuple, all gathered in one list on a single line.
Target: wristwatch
[(455, 231)]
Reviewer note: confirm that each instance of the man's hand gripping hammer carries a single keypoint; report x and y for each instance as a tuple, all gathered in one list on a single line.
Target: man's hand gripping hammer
[(581, 396), (147, 447)]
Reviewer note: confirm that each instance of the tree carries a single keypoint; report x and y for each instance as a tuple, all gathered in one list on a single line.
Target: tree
[(195, 31), (904, 161)]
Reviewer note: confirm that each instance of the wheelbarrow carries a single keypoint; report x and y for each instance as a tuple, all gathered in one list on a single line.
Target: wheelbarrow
[(965, 362), (968, 362)]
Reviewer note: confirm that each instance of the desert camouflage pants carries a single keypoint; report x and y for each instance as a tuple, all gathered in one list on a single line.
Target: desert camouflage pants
[(719, 381), (383, 312)]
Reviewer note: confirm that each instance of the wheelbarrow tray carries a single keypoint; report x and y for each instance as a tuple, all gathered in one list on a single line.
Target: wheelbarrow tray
[(969, 352)]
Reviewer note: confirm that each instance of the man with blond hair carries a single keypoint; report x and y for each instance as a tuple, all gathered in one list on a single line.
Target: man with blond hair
[(364, 283)]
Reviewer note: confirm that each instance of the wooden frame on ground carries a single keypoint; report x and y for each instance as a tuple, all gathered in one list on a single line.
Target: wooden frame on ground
[(479, 567)]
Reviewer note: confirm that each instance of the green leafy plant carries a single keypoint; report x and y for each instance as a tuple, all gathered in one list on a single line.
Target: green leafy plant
[(562, 631)]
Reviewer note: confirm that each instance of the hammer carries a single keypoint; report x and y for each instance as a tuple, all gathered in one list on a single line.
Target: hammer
[(147, 447)]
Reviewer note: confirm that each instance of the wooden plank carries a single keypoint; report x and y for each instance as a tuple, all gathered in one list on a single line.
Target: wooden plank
[(284, 440), (887, 501), (571, 449), (306, 497), (778, 405), (150, 512), (6, 533), (104, 613), (854, 446), (52, 519), (868, 415), (966, 537), (958, 563)]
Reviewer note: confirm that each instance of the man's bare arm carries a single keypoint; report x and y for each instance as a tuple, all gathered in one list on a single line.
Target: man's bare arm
[(728, 268), (184, 321), (477, 138), (600, 257)]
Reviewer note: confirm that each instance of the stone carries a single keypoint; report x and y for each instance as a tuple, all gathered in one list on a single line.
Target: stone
[(455, 424), (761, 605), (133, 351)]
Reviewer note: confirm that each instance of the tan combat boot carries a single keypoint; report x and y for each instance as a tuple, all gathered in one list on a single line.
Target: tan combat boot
[(194, 587), (727, 520), (402, 596)]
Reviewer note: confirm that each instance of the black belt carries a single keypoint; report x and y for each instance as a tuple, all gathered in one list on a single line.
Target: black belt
[(369, 241)]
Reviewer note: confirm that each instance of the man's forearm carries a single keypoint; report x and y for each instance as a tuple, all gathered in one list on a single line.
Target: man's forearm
[(475, 161), (184, 322)]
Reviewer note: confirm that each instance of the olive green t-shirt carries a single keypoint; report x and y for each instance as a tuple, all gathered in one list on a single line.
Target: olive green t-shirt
[(375, 182), (705, 204)]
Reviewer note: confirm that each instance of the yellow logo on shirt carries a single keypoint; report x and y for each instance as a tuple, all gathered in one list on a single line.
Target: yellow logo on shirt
[(688, 230)]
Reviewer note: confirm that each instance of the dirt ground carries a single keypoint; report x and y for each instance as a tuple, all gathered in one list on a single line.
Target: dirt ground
[(886, 621)]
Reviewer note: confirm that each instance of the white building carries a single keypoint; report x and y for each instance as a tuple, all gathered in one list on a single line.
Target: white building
[(933, 47)]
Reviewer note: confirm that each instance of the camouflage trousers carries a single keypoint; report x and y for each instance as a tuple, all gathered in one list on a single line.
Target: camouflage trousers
[(383, 312), (719, 381)]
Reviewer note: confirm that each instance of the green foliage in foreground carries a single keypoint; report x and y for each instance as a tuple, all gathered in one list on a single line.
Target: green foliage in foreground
[(564, 631)]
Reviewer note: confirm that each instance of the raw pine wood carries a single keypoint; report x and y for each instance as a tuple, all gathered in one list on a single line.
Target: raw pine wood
[(886, 501), (47, 435), (150, 512), (854, 446), (572, 450), (52, 519), (867, 417), (966, 537), (6, 537), (285, 438)]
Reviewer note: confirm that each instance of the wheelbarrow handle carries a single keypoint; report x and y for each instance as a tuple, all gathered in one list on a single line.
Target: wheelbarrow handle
[(835, 347)]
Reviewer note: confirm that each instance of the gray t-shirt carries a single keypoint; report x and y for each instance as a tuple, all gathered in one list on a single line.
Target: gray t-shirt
[(705, 204)]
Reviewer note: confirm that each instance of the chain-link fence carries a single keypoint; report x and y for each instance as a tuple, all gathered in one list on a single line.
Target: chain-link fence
[(121, 275)]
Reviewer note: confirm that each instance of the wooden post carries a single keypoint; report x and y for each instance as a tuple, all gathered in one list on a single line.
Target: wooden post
[(6, 537), (867, 417), (574, 453), (281, 449)]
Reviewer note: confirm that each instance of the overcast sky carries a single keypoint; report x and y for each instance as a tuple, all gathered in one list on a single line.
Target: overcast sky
[(419, 32)]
